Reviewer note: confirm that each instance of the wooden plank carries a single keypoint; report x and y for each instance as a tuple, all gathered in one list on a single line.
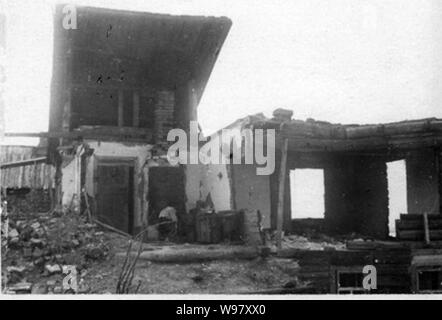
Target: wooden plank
[(418, 216), (136, 109), (281, 192), (418, 224), (21, 163), (426, 228), (418, 234), (141, 134), (120, 108)]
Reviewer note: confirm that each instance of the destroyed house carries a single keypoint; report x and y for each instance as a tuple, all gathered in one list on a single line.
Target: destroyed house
[(121, 80), (353, 163), (353, 159)]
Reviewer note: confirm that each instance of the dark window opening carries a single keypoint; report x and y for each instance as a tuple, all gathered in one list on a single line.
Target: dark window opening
[(430, 280), (94, 107)]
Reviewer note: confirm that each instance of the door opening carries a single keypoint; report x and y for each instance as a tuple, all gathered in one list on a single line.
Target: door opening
[(397, 193), (115, 194), (307, 193)]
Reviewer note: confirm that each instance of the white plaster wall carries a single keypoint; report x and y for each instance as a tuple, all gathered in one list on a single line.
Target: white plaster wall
[(217, 181), (141, 152), (252, 191), (68, 185), (194, 182)]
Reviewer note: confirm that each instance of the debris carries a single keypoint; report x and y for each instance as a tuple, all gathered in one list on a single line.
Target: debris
[(51, 283), (94, 253), (27, 252), (35, 225), (58, 290), (12, 269), (13, 233), (51, 269), (37, 242), (37, 253), (40, 288), (21, 287)]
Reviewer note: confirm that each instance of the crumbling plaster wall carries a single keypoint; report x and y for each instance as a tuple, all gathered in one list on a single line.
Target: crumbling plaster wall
[(423, 184), (139, 152), (252, 193), (213, 179)]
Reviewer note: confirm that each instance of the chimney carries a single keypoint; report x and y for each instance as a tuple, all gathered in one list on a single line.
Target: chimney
[(282, 115)]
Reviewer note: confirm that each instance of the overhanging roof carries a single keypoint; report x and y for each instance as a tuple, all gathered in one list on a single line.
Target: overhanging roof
[(158, 49)]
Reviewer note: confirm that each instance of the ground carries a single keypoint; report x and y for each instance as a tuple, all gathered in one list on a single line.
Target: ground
[(40, 246)]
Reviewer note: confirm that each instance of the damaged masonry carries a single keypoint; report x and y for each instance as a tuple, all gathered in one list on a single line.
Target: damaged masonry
[(102, 176)]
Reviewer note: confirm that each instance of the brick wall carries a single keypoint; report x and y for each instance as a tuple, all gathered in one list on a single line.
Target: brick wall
[(164, 117)]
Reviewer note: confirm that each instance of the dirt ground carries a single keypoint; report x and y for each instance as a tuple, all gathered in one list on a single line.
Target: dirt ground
[(41, 245)]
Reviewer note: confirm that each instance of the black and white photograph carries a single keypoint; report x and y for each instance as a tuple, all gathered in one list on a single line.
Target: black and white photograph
[(234, 149)]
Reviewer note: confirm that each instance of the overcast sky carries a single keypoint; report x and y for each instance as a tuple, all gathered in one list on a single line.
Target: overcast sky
[(349, 61)]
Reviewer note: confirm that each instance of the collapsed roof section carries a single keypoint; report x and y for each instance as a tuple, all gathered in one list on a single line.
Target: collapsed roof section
[(321, 136)]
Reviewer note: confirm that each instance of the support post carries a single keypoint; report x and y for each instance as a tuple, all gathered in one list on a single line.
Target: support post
[(120, 108), (136, 109), (281, 192), (426, 229)]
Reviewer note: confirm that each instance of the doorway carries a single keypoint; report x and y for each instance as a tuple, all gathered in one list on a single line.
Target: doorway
[(115, 193), (307, 193), (397, 193)]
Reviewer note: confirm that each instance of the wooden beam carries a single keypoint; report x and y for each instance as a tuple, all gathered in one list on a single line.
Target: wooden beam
[(136, 109), (439, 176), (426, 229), (120, 108), (21, 163), (141, 134), (281, 192)]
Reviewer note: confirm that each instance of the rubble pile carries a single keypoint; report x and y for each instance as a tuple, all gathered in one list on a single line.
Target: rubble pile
[(42, 249)]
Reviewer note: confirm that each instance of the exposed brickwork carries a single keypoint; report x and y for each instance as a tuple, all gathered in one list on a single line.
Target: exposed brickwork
[(164, 117)]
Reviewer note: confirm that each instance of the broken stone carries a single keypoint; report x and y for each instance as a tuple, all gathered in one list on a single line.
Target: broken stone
[(37, 242), (95, 253), (51, 269), (37, 253), (12, 269), (58, 290), (21, 287), (40, 288), (13, 233), (13, 242), (51, 283), (35, 225), (26, 233), (39, 262), (83, 288), (27, 252), (75, 243)]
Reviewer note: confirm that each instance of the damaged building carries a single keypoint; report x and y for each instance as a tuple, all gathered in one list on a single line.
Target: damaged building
[(121, 81), (354, 162)]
